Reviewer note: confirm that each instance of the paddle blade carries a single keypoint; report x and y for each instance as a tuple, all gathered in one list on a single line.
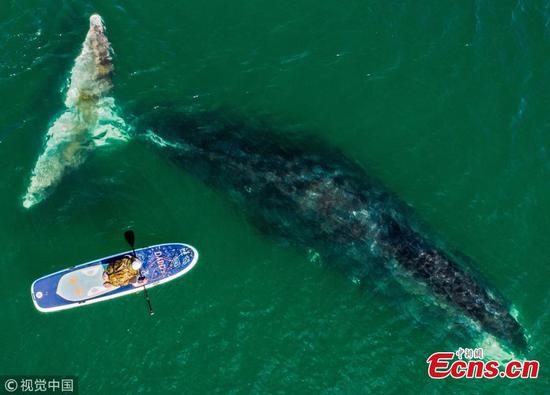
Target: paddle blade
[(130, 237)]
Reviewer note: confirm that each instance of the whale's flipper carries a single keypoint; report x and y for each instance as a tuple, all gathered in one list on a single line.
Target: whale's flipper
[(90, 119)]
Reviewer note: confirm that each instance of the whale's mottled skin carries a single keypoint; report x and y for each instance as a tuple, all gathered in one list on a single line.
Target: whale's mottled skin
[(90, 118), (91, 75), (321, 200)]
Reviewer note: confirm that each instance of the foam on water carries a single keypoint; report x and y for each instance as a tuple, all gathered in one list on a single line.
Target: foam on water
[(156, 139), (493, 350), (91, 118)]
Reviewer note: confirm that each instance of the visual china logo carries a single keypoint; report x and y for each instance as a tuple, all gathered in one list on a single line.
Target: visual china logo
[(442, 365), (41, 384)]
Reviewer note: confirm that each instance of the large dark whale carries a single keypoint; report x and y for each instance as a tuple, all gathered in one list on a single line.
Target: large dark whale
[(315, 197)]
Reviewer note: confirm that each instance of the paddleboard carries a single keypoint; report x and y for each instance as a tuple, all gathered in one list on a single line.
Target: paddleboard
[(83, 284)]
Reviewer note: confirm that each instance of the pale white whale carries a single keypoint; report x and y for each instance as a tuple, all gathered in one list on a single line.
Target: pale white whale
[(89, 120)]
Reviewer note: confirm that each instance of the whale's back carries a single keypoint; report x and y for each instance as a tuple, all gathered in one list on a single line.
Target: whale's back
[(314, 197)]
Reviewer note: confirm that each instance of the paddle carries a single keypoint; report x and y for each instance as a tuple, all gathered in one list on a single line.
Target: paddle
[(131, 239)]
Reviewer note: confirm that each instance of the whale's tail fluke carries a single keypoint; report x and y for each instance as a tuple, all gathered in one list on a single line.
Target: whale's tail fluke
[(91, 117)]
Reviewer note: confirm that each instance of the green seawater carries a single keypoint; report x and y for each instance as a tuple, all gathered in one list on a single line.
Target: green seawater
[(445, 102)]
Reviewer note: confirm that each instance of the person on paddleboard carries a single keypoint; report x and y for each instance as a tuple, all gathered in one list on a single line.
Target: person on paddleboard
[(124, 271)]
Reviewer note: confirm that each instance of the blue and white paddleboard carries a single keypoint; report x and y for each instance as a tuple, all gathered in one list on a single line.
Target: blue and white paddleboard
[(83, 284)]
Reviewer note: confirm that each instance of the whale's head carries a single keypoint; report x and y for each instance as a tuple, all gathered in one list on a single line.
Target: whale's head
[(96, 23)]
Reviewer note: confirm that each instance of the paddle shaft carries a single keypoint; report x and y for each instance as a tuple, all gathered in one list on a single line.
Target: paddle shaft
[(151, 312), (130, 238)]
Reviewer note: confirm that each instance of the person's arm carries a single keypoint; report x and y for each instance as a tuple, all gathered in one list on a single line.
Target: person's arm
[(138, 281), (135, 281)]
